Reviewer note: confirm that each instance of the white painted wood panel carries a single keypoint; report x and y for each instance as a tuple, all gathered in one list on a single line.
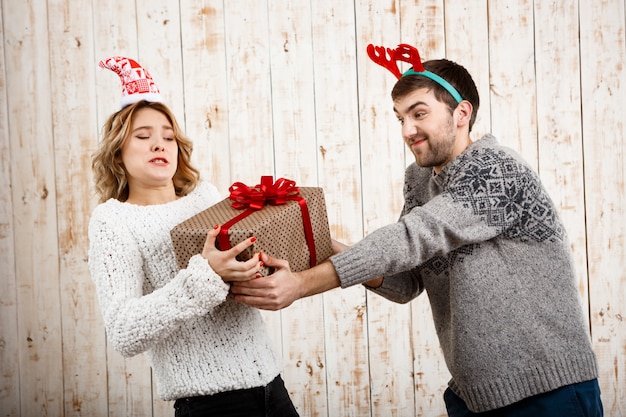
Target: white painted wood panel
[(296, 157), (10, 381), (32, 176), (512, 77), (206, 90), (73, 91), (249, 99), (603, 55), (285, 88)]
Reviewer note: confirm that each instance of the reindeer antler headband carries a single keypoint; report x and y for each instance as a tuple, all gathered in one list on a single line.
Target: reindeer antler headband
[(410, 54)]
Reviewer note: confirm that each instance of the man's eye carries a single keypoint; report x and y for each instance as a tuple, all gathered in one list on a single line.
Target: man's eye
[(401, 121)]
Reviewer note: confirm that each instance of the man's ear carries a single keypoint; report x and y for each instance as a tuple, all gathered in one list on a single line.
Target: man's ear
[(464, 113)]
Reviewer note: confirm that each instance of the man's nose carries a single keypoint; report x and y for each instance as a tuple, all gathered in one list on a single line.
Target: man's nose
[(408, 130)]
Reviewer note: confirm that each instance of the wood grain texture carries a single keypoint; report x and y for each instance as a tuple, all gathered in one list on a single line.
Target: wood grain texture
[(603, 95), (9, 356), (84, 370), (512, 77), (249, 92), (32, 175), (206, 90), (285, 88)]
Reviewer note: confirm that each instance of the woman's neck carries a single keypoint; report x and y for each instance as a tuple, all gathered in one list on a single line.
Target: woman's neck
[(151, 196)]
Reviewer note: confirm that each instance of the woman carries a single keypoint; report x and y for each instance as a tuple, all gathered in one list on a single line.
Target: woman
[(209, 353)]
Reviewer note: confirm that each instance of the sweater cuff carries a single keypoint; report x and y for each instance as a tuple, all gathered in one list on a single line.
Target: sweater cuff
[(351, 268), (206, 288)]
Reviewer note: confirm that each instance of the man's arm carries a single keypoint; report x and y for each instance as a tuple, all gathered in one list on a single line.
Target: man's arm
[(283, 287), (340, 247)]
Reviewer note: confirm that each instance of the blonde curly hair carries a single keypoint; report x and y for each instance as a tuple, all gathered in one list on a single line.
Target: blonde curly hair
[(109, 173)]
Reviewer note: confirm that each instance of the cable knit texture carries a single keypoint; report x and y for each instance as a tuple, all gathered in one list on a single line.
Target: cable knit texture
[(198, 340), (483, 239)]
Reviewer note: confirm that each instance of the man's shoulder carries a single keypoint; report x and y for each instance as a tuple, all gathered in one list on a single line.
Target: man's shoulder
[(487, 152)]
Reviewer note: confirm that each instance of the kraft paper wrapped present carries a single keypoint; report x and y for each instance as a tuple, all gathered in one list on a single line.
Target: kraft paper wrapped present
[(289, 223)]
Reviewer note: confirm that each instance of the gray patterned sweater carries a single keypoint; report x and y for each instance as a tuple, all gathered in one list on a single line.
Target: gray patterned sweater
[(483, 239)]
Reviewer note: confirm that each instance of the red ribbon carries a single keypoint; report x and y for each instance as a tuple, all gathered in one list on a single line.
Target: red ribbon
[(267, 192)]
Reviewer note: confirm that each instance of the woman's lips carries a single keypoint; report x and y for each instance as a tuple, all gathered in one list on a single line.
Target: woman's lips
[(159, 161)]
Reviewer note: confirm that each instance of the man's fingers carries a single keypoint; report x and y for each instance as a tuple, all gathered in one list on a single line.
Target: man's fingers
[(274, 262), (257, 302), (257, 295), (256, 287), (338, 246)]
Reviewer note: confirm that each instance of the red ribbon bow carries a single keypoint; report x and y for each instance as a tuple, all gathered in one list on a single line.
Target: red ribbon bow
[(267, 192)]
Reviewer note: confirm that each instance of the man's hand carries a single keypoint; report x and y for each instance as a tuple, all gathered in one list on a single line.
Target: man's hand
[(338, 246), (283, 287), (272, 292)]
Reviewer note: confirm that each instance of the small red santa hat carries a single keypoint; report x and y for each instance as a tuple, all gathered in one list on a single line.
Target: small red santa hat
[(137, 84)]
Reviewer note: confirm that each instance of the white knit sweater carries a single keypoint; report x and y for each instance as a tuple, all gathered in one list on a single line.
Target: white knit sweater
[(199, 341)]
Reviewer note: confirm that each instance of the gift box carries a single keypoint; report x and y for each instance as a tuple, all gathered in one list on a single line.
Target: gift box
[(288, 222)]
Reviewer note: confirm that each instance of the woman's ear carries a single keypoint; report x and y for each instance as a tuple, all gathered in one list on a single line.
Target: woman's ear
[(464, 110)]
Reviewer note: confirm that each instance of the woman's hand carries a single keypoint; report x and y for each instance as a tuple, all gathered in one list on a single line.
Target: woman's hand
[(225, 264)]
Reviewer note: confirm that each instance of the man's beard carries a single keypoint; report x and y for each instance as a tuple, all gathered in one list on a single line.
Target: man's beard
[(440, 149)]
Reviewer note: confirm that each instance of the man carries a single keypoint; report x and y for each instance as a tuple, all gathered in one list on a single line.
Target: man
[(480, 234)]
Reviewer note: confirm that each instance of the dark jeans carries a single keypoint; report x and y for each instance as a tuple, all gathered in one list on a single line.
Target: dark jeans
[(271, 400), (576, 400)]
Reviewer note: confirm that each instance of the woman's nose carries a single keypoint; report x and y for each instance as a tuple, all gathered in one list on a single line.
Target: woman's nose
[(159, 145)]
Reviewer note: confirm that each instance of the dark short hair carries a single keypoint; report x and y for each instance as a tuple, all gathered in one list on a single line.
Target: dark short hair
[(450, 71)]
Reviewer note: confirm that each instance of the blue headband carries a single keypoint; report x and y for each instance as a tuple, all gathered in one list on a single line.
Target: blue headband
[(455, 94)]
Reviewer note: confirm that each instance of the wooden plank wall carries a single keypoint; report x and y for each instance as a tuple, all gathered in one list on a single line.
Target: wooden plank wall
[(284, 87)]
